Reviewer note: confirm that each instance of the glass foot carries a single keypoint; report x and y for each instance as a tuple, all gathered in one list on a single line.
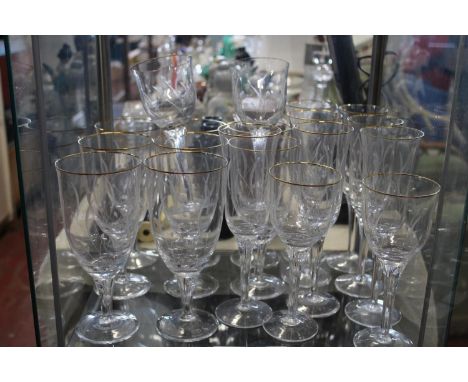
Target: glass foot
[(343, 262), (252, 315), (263, 287), (271, 259), (377, 337), (130, 285), (305, 282), (368, 313), (353, 285), (197, 327), (141, 259), (100, 329), (204, 286), (283, 328), (319, 304)]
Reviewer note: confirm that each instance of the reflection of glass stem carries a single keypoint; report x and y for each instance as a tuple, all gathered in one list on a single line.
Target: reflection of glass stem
[(186, 286), (315, 253), (245, 249)]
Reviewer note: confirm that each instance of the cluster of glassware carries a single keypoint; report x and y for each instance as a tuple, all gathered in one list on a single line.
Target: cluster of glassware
[(277, 170)]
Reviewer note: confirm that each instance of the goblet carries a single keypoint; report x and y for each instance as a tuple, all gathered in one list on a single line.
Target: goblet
[(385, 149), (325, 141), (139, 257), (250, 150), (167, 90), (100, 197), (204, 284), (358, 284), (126, 285), (186, 194), (303, 201), (259, 88), (263, 286), (398, 214)]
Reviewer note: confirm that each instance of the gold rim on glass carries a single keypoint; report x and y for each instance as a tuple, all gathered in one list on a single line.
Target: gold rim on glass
[(114, 149), (419, 134), (241, 134), (370, 188), (161, 59), (340, 178), (289, 138), (348, 129), (342, 108), (185, 173), (60, 160), (126, 120), (189, 149)]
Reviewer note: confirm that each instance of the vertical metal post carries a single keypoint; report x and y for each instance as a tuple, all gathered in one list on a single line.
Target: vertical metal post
[(104, 80), (379, 43), (126, 73), (46, 176), (85, 54)]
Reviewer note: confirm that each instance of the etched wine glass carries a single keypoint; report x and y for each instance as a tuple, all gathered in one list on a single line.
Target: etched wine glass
[(100, 197), (259, 87), (126, 285), (385, 150), (303, 201), (398, 213), (186, 192)]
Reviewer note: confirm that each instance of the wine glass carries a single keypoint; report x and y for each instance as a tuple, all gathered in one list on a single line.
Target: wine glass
[(204, 284), (325, 141), (398, 213), (186, 195), (126, 285), (259, 87), (385, 149), (264, 286), (99, 196), (303, 201), (167, 90), (359, 284), (250, 150), (140, 257)]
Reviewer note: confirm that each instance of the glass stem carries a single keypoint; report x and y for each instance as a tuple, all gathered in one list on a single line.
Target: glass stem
[(391, 276), (105, 287), (362, 252), (245, 249), (315, 253), (260, 257), (294, 276), (375, 275), (186, 286), (351, 220)]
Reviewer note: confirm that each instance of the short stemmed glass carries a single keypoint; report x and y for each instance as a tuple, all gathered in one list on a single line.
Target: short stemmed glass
[(186, 193), (264, 286), (126, 285), (167, 90), (100, 197), (204, 284), (359, 284), (385, 150), (140, 257), (259, 87), (303, 200), (398, 214), (324, 141), (250, 150)]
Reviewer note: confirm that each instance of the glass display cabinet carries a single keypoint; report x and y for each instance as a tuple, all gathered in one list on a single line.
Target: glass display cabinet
[(62, 85)]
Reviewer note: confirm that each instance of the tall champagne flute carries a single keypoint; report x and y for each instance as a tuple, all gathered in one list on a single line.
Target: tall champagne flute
[(186, 195), (139, 257), (325, 141), (359, 284), (204, 284), (259, 87), (100, 196), (167, 90), (249, 149), (126, 285), (303, 201), (398, 213), (263, 286), (385, 149)]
